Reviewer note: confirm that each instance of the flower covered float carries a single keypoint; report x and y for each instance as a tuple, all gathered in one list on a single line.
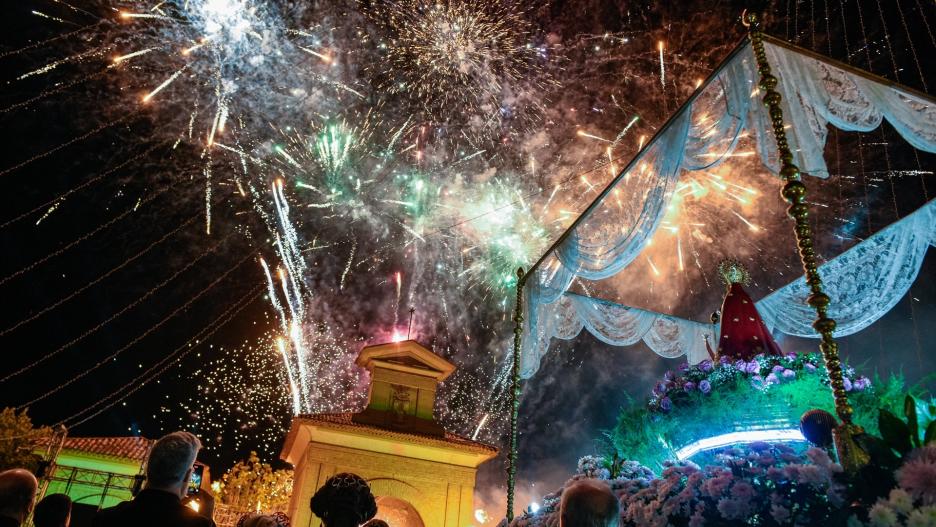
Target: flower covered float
[(749, 390)]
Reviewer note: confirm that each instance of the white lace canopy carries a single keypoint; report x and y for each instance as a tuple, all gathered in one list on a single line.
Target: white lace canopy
[(865, 282)]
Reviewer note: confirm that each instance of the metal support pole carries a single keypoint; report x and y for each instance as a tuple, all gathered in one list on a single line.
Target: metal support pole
[(515, 398)]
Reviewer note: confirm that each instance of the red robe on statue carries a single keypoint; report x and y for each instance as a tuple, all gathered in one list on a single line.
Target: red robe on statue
[(743, 332)]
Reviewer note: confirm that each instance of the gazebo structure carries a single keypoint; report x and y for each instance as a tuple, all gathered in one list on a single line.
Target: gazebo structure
[(420, 474), (98, 471)]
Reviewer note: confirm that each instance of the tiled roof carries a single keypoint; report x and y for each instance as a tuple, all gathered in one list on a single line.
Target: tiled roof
[(135, 448), (344, 421)]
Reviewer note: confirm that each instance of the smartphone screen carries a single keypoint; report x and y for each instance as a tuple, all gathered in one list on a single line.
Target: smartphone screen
[(196, 481)]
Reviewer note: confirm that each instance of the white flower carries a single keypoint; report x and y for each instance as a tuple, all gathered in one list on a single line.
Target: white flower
[(900, 501), (918, 518), (881, 515)]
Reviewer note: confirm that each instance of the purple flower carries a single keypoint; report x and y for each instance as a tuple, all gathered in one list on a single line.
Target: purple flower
[(810, 367), (790, 356), (705, 386), (659, 389), (772, 379), (669, 375), (789, 374), (752, 367), (740, 365), (689, 386), (666, 404), (684, 366), (861, 383), (706, 366), (723, 360), (848, 384), (777, 369)]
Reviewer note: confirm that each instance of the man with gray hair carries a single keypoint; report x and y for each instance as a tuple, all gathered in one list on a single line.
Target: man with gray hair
[(17, 496), (589, 503), (169, 468)]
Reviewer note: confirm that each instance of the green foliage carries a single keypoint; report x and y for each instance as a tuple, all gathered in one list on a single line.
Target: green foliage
[(19, 439), (901, 435), (254, 485), (652, 438)]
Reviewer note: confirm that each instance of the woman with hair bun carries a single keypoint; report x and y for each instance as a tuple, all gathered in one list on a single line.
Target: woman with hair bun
[(345, 500)]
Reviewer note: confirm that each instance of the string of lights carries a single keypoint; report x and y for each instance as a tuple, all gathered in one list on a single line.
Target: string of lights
[(191, 263), (141, 202), (138, 338), (166, 362), (100, 278), (66, 144), (50, 204)]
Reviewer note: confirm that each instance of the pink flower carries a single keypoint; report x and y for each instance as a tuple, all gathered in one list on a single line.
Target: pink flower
[(918, 475), (734, 509), (742, 490), (697, 520), (821, 458), (715, 486), (780, 513), (812, 475)]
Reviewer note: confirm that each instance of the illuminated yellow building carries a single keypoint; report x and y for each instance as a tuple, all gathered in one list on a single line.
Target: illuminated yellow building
[(421, 475)]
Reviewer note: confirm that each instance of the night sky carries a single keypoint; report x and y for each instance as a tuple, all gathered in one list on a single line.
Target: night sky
[(150, 203)]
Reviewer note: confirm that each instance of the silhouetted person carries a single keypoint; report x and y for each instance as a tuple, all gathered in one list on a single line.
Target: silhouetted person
[(168, 471), (345, 500), (17, 495), (589, 503), (53, 511)]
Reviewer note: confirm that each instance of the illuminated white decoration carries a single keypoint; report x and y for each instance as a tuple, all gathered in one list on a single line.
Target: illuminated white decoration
[(737, 438)]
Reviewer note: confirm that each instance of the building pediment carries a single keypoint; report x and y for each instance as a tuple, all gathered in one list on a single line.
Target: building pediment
[(407, 356)]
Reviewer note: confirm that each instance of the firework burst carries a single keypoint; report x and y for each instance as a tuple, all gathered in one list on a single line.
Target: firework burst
[(459, 61)]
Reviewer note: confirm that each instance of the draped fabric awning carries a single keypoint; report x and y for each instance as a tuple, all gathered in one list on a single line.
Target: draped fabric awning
[(703, 133)]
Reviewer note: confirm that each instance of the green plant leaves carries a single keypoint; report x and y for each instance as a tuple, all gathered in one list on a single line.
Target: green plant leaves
[(930, 435), (911, 415), (895, 432)]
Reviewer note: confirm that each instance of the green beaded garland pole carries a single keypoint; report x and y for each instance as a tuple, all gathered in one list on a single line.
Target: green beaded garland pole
[(850, 454), (515, 398)]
